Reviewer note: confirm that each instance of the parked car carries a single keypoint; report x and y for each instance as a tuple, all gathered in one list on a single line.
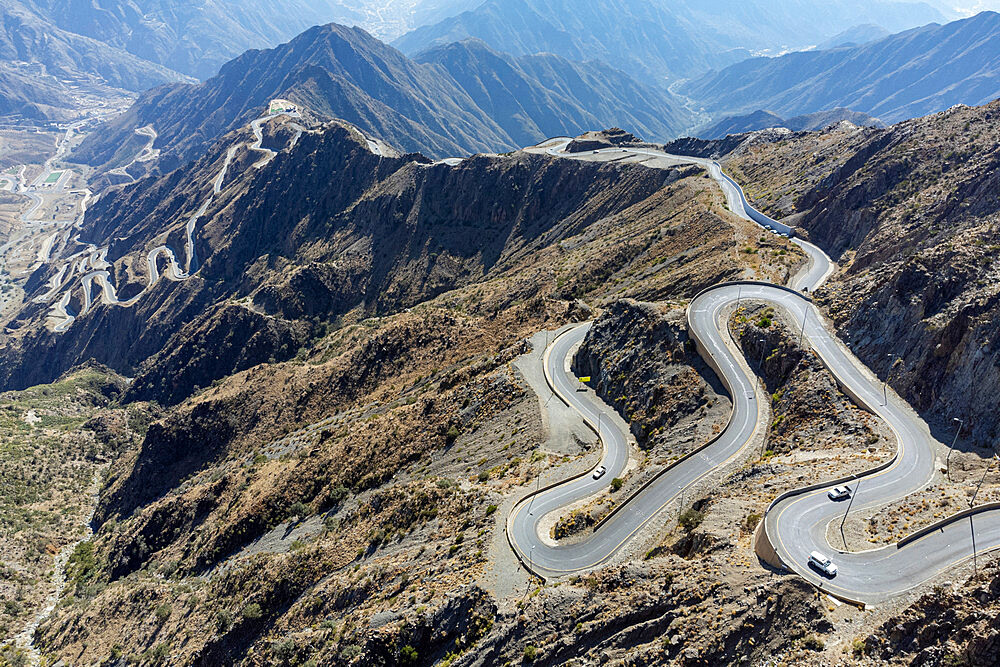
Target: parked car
[(599, 473), (839, 492), (823, 564)]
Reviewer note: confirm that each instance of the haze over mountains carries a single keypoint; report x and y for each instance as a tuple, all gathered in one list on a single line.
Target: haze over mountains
[(275, 389), (760, 120), (660, 39), (457, 100), (902, 76), (195, 39)]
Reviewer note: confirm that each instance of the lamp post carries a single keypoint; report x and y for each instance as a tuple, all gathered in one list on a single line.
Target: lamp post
[(885, 384), (975, 559), (972, 523), (763, 349), (953, 442), (851, 502), (805, 316), (739, 297), (972, 502)]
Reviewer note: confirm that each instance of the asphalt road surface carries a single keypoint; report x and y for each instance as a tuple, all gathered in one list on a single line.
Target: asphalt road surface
[(797, 524)]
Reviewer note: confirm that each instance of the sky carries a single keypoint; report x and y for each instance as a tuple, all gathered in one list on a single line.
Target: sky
[(968, 7)]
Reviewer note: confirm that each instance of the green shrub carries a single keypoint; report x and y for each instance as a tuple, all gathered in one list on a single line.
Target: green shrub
[(223, 620), (350, 652), (285, 650), (813, 643), (530, 653), (408, 655), (298, 509), (691, 519), (163, 612), (252, 611), (490, 509), (81, 568), (616, 484), (338, 494)]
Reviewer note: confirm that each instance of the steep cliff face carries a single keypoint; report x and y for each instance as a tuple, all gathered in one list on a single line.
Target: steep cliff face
[(913, 214), (643, 363), (951, 625), (324, 230)]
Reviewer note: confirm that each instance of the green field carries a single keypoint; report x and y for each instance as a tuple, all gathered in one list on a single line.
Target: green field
[(54, 177)]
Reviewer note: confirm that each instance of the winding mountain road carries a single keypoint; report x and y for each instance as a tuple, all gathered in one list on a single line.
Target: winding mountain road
[(796, 523), (60, 314)]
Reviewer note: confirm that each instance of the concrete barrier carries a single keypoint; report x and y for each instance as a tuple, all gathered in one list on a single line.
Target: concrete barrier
[(763, 548), (753, 213), (548, 487), (545, 362), (701, 347), (937, 525)]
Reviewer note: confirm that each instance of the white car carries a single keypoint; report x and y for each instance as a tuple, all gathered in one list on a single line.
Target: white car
[(839, 493), (823, 564), (599, 473)]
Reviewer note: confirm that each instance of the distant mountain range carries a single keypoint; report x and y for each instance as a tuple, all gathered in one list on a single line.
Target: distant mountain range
[(906, 75), (539, 96), (855, 36), (27, 37), (658, 39), (761, 120), (196, 38), (30, 96), (461, 99)]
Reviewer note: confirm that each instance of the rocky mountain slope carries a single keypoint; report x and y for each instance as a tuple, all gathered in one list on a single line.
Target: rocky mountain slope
[(351, 412), (338, 72), (541, 96), (761, 120), (27, 95), (910, 74), (659, 40), (855, 36), (327, 483), (196, 38), (27, 37), (47, 73), (370, 235), (911, 212)]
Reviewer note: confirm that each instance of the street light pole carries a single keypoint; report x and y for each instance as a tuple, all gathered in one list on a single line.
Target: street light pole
[(885, 384), (763, 349), (972, 502), (953, 442), (851, 502), (805, 316), (975, 559), (739, 297)]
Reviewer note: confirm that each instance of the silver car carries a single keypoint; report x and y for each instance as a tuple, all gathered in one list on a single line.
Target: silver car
[(599, 473), (823, 564), (839, 492)]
